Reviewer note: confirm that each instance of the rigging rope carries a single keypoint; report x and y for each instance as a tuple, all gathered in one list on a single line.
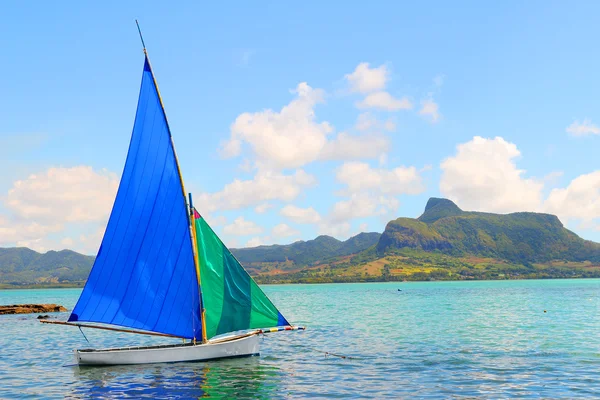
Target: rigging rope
[(301, 328), (328, 353), (86, 339)]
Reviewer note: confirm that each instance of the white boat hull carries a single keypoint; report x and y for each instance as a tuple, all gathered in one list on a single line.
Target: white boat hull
[(225, 348)]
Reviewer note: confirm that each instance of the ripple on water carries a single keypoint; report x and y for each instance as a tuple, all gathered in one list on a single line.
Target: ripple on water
[(443, 339)]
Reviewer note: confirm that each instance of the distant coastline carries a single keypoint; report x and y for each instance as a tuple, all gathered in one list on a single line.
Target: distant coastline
[(79, 285), (62, 285), (444, 244)]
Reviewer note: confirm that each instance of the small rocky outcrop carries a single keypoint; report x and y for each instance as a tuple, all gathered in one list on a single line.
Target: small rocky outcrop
[(31, 308)]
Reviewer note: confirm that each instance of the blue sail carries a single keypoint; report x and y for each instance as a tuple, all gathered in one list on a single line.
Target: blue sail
[(144, 276)]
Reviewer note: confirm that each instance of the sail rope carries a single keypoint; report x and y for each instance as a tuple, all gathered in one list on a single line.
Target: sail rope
[(327, 353), (301, 328), (85, 337)]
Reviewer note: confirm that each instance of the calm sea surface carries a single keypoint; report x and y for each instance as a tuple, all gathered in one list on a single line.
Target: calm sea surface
[(430, 340)]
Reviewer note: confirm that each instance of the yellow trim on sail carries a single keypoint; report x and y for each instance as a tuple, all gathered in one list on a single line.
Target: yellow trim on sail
[(192, 227)]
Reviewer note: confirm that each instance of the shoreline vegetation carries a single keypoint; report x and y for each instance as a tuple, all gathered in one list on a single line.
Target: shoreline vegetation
[(409, 265), (58, 285), (395, 269), (317, 281)]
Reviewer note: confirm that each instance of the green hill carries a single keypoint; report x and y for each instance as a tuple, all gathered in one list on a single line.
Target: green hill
[(522, 237), (303, 253), (20, 265)]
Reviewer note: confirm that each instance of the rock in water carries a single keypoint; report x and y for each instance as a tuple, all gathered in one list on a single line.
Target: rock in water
[(31, 308)]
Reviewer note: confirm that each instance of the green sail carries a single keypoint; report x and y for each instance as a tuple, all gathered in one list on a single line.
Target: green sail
[(231, 298)]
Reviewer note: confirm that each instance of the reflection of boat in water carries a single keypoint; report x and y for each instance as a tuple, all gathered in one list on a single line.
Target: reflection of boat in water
[(237, 378), (161, 270)]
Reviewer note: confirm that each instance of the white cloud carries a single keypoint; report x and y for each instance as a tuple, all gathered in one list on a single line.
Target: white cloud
[(339, 231), (246, 166), (231, 242), (286, 139), (242, 227), (301, 215), (383, 159), (389, 125), (579, 201), (293, 137), (231, 148), (372, 191), (60, 195), (359, 176), (43, 238), (90, 243), (254, 242), (552, 178), (263, 187), (430, 109), (362, 205), (483, 176), (352, 147), (284, 230), (364, 227), (263, 208), (218, 220), (41, 245), (583, 128), (368, 122), (58, 200), (26, 233), (68, 242), (384, 101), (365, 79)]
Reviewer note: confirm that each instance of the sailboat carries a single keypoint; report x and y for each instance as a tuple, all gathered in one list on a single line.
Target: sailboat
[(161, 270)]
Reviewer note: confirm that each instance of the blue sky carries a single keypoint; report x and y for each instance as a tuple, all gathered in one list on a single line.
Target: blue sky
[(293, 120)]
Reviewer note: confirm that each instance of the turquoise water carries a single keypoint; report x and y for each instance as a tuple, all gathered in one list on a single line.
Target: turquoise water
[(430, 340)]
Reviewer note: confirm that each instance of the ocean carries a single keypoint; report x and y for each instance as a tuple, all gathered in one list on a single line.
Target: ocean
[(485, 339)]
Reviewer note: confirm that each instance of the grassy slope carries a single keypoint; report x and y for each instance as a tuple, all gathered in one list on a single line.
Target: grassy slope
[(20, 265), (418, 265)]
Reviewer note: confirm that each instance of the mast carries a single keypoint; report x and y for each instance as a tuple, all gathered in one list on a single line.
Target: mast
[(190, 214), (197, 263)]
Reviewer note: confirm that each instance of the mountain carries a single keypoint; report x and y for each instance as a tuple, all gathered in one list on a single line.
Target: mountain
[(523, 237), (303, 253), (447, 243), (20, 265), (444, 243)]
